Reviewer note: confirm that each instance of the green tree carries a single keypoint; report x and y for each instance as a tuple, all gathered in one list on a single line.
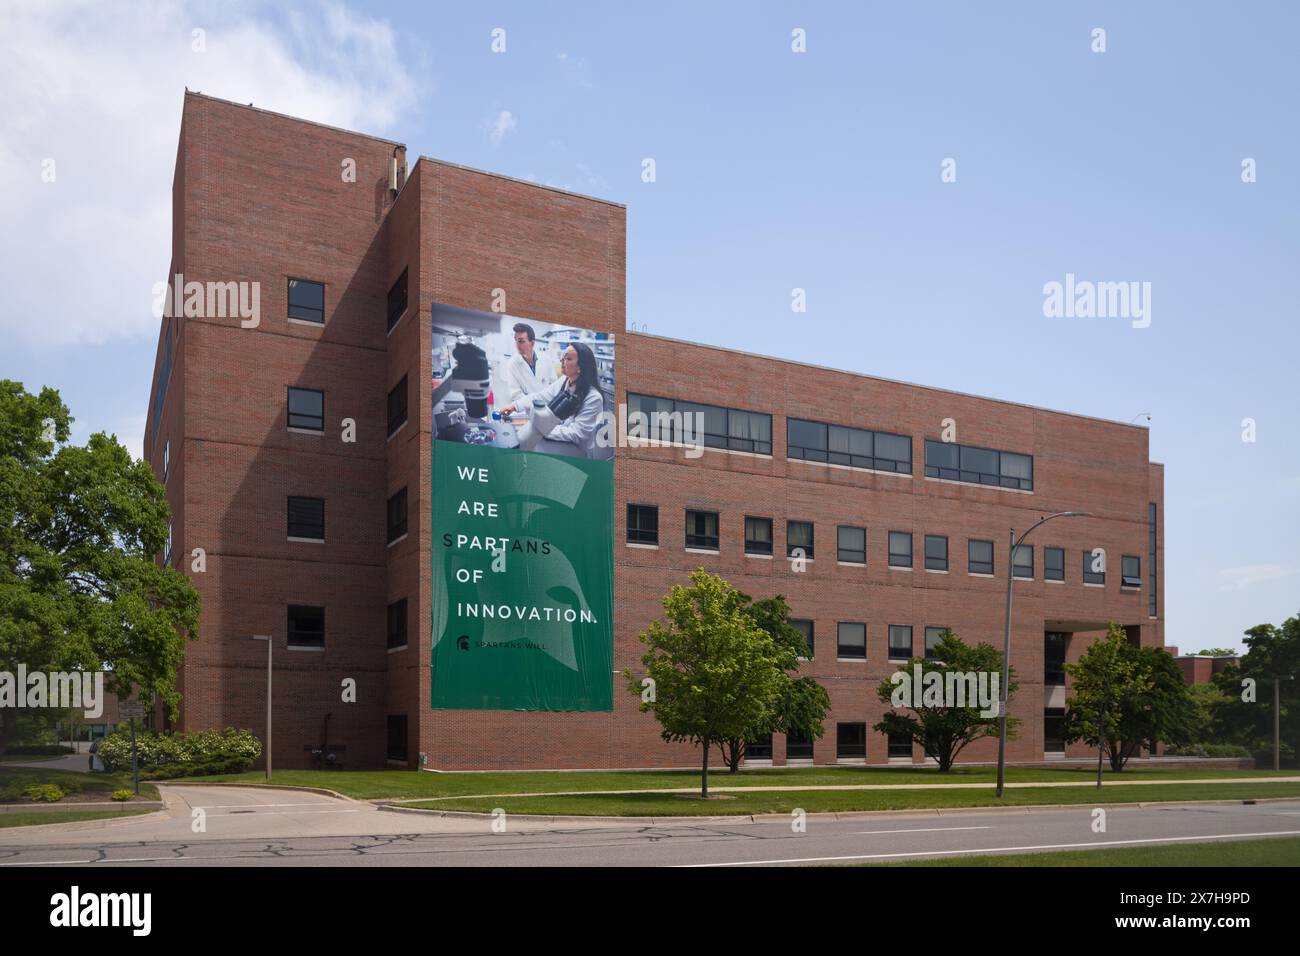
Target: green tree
[(80, 527), (1246, 718), (1217, 652), (942, 731), (715, 672), (802, 704), (1123, 697)]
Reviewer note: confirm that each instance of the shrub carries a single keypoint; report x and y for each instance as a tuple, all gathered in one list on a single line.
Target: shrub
[(122, 794), (182, 755), (44, 793)]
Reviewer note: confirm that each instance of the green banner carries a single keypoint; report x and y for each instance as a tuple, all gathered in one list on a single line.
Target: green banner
[(522, 580)]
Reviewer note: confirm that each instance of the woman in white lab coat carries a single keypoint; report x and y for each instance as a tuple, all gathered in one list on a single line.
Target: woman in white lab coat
[(580, 381)]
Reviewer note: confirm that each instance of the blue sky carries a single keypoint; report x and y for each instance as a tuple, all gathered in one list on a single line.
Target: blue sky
[(775, 170)]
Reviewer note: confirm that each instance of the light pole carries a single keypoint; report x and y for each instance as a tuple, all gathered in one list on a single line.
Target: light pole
[(1277, 720), (1006, 641), (269, 643)]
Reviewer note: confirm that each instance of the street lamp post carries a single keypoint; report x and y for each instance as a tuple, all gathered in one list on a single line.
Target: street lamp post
[(1006, 642), (269, 643)]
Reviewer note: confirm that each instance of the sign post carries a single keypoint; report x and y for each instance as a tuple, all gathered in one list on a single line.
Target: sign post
[(133, 710)]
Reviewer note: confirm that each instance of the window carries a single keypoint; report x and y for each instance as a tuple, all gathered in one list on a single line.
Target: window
[(806, 628), (798, 748), (900, 642), (933, 635), (760, 749), (900, 745), (397, 624), (851, 544), (851, 641), (306, 300), (1130, 571), (397, 748), (643, 524), (758, 535), (979, 557), (307, 518), (160, 387), (1054, 730), (306, 409), (1151, 557), (167, 546), (936, 552), (702, 530), (850, 741), (397, 300), (306, 625), (1054, 564), (1054, 658), (978, 466), (1098, 561), (729, 428), (900, 549), (854, 447), (1023, 564), (799, 534), (397, 406), (167, 458), (397, 516)]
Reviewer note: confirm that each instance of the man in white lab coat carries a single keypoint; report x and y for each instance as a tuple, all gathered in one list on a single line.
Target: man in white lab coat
[(528, 373)]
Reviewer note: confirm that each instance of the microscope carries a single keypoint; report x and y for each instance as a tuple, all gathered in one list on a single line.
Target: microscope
[(468, 420)]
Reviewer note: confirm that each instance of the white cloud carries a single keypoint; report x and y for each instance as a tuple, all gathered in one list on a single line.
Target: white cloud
[(499, 127), (1238, 579), (98, 88)]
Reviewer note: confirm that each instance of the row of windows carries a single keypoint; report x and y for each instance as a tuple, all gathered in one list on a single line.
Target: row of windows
[(850, 744), (851, 640), (306, 517), (702, 532), (306, 625), (806, 440)]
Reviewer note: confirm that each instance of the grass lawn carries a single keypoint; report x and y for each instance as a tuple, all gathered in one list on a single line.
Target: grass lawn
[(407, 784), (64, 816), (822, 801), (97, 786), (1275, 851)]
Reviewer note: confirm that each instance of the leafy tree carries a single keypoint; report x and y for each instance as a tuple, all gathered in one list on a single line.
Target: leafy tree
[(1246, 718), (716, 674), (944, 732), (79, 531), (1216, 652), (802, 704), (1207, 700), (1124, 696)]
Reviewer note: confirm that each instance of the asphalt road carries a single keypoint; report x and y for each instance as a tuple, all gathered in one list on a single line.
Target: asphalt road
[(251, 827)]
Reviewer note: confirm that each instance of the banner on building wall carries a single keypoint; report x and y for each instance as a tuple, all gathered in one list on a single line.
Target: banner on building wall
[(522, 499)]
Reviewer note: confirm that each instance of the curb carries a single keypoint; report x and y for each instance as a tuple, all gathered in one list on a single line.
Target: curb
[(259, 786), (83, 805), (831, 815), (84, 824)]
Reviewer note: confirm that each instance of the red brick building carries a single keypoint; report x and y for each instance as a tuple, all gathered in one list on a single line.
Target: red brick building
[(905, 532)]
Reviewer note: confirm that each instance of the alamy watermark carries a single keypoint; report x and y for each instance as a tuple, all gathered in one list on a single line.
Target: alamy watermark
[(1084, 299), (920, 688), (58, 690), (209, 300)]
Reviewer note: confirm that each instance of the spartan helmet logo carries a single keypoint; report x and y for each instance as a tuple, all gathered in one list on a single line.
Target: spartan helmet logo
[(463, 642)]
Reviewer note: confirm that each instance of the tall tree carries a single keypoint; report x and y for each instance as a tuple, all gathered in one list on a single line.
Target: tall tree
[(1123, 697), (715, 672), (802, 703), (80, 527), (942, 728), (1247, 717)]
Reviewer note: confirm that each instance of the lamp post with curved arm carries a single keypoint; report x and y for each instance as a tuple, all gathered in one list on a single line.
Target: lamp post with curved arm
[(1006, 641)]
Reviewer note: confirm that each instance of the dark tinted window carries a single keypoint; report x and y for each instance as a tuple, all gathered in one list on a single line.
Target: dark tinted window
[(306, 409), (397, 300), (397, 406), (758, 535), (900, 642), (702, 529), (798, 748), (936, 552), (979, 557), (900, 745), (397, 516), (643, 524), (799, 534), (306, 300), (1054, 658), (1054, 564), (397, 624), (850, 740), (978, 466), (759, 749), (396, 742), (851, 640), (851, 544), (306, 625), (1054, 730), (933, 635), (806, 628), (900, 549), (1023, 566), (1095, 561), (1131, 571), (853, 447), (307, 518), (730, 428)]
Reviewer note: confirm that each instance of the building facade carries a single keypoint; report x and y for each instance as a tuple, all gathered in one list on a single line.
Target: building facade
[(295, 446)]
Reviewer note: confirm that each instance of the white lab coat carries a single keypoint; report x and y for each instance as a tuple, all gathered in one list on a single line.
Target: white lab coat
[(524, 380), (580, 428)]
